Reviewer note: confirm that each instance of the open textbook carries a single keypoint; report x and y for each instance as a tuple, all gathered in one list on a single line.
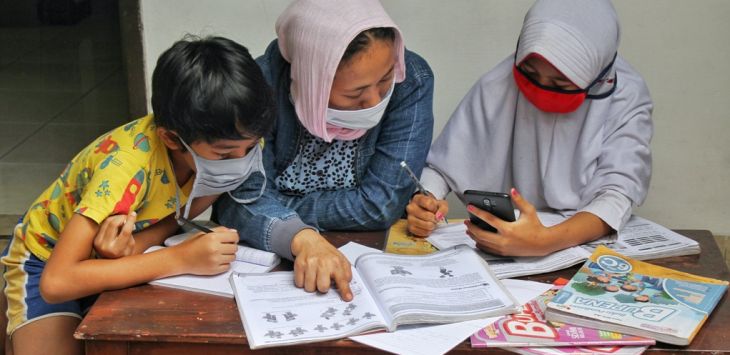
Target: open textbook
[(390, 290), (248, 260), (617, 293), (640, 239), (506, 267)]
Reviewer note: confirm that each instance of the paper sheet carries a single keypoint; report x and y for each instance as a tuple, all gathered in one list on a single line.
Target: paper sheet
[(643, 239), (439, 339), (353, 250)]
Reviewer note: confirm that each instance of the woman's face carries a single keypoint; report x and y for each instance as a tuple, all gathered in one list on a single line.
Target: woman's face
[(364, 79), (546, 74)]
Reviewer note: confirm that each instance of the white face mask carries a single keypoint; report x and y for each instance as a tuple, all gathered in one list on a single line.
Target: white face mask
[(360, 119), (214, 177)]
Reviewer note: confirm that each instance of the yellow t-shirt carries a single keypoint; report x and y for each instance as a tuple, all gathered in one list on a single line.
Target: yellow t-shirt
[(125, 169)]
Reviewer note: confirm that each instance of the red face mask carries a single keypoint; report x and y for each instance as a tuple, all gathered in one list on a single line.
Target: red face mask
[(548, 99)]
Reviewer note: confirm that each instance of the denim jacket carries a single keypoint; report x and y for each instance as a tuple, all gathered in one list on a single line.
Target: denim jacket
[(382, 187)]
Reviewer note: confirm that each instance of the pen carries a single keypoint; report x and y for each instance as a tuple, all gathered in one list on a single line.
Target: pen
[(418, 184), (195, 225)]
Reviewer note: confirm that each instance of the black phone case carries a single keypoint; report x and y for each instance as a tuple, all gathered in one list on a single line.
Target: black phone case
[(496, 203)]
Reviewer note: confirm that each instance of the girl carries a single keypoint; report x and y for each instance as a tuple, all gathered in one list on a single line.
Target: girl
[(564, 124)]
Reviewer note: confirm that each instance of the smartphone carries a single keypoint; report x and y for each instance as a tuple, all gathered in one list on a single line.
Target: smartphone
[(496, 203)]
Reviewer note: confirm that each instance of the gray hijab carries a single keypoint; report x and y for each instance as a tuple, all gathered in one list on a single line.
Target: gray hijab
[(496, 139)]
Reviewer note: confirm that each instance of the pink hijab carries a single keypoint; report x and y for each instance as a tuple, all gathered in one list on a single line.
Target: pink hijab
[(313, 36)]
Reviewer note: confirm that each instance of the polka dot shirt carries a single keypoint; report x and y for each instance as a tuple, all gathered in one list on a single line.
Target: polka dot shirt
[(320, 166)]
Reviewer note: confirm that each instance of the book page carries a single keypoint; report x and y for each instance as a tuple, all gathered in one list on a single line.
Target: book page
[(643, 239), (439, 339), (276, 312), (447, 286), (505, 267), (353, 250), (213, 284), (244, 252)]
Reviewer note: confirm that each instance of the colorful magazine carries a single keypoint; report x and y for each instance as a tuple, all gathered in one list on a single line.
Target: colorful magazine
[(528, 328), (614, 292), (592, 350)]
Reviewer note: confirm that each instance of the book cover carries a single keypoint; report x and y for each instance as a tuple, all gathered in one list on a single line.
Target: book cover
[(399, 241), (589, 350), (528, 328), (614, 292)]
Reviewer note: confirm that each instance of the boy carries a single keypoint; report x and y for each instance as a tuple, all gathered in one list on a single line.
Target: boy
[(121, 194)]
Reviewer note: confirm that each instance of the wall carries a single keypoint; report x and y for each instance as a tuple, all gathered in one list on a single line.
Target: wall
[(677, 46)]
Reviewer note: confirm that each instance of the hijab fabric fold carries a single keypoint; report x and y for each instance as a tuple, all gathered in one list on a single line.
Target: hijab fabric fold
[(496, 139), (579, 38), (313, 36)]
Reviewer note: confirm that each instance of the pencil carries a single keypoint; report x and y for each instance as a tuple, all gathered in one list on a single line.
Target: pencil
[(195, 225), (420, 187)]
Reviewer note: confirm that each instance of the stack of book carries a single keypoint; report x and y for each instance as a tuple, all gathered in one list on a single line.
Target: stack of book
[(613, 301), (529, 332)]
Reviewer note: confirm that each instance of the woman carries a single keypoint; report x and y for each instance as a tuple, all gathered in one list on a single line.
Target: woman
[(564, 121), (352, 104)]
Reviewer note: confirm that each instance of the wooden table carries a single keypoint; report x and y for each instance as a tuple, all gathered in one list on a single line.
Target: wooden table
[(158, 320)]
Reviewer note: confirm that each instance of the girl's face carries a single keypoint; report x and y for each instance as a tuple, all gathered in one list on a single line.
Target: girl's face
[(364, 79), (540, 70)]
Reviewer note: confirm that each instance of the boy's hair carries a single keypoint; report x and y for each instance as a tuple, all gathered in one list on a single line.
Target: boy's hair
[(210, 89)]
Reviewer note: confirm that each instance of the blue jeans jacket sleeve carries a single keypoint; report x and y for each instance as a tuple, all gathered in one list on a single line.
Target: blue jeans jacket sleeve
[(264, 224), (383, 189)]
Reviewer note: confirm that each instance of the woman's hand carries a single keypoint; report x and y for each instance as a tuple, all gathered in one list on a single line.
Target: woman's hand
[(424, 214), (114, 238), (208, 253), (524, 237), (318, 263)]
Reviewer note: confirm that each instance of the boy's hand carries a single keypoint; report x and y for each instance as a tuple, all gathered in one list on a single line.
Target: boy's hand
[(208, 254), (318, 263), (424, 213), (114, 238)]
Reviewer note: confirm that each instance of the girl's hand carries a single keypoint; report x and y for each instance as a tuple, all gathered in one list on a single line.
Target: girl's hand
[(318, 265), (524, 237), (424, 214)]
